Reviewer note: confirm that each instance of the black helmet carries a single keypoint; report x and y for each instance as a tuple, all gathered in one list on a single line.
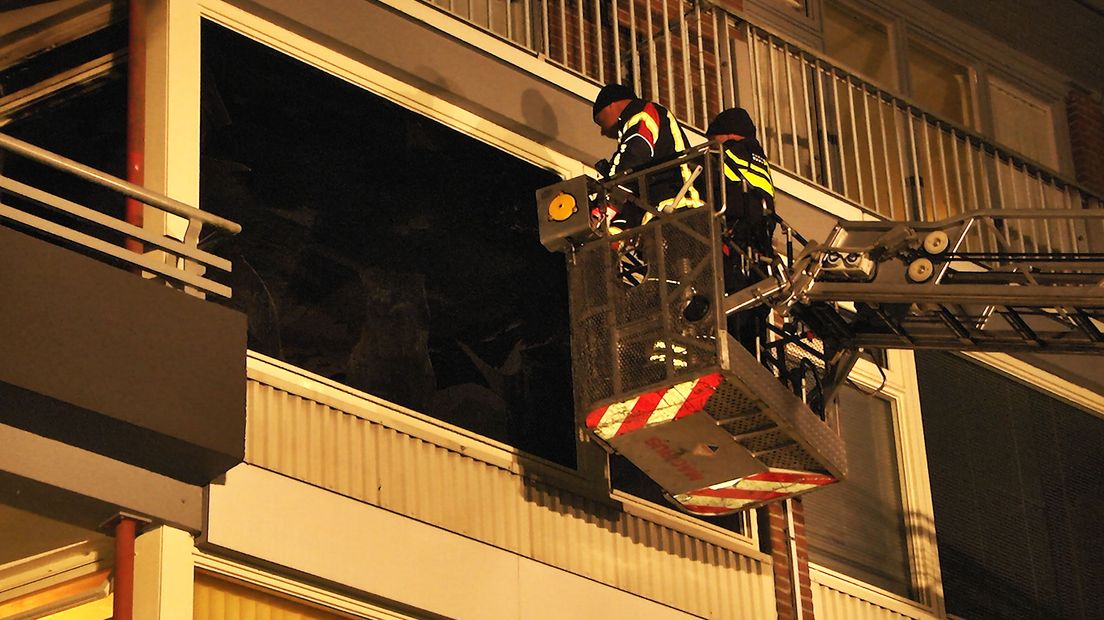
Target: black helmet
[(611, 93), (732, 121)]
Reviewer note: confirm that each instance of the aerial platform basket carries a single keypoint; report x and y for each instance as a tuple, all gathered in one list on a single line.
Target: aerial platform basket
[(657, 378)]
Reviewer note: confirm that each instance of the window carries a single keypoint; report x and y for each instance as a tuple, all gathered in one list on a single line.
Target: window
[(1015, 479), (939, 84), (857, 527), (1023, 123), (858, 42), (384, 250)]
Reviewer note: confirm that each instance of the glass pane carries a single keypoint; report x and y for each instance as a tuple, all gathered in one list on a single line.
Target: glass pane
[(858, 42), (940, 85), (1023, 123), (857, 527)]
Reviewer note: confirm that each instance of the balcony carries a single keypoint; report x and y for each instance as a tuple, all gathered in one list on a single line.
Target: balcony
[(817, 121), (110, 347)]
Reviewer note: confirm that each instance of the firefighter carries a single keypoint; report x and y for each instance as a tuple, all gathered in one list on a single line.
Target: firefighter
[(749, 188), (749, 215), (646, 134)]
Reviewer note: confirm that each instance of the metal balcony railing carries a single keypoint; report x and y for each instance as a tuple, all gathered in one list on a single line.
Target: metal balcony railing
[(816, 120), (834, 129), (182, 263)]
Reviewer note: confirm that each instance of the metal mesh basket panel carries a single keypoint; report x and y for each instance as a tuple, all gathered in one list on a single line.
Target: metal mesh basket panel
[(644, 323), (792, 457)]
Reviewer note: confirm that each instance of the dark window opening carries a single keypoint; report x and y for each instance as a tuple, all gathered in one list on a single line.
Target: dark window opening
[(384, 250)]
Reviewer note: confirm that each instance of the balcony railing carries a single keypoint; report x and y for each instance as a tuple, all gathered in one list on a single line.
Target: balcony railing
[(816, 120), (182, 262), (834, 129)]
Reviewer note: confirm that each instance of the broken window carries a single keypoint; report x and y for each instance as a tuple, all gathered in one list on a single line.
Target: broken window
[(384, 250)]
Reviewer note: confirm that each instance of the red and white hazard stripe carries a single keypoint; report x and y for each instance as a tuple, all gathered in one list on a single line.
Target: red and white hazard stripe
[(756, 489), (652, 408)]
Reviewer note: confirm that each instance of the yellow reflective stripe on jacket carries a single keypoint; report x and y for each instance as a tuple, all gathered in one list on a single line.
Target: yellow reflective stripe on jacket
[(754, 174), (692, 199), (649, 122), (743, 163)]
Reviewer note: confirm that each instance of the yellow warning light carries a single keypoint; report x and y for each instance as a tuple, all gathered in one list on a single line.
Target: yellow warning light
[(561, 207)]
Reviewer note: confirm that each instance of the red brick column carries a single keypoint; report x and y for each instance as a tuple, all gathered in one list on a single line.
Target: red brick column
[(783, 550), (1086, 125)]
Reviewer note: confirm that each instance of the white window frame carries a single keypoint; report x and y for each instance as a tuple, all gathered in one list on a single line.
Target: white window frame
[(898, 386), (893, 26)]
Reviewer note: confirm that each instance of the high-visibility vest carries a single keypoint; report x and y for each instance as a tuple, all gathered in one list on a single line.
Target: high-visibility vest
[(748, 166)]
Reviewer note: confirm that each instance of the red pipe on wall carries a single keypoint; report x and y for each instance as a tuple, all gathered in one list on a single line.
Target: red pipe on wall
[(136, 112), (122, 607)]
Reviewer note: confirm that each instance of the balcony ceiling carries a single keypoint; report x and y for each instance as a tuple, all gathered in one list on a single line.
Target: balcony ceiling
[(1066, 34)]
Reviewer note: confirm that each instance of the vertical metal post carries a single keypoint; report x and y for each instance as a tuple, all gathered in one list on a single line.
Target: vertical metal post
[(1018, 203), (790, 104), (1042, 205), (632, 42), (839, 130), (962, 207), (701, 69), (687, 79), (654, 70), (899, 120), (546, 30), (717, 61), (563, 31), (885, 153), (527, 13), (926, 216), (583, 65), (870, 149), (917, 186), (825, 146), (972, 203), (943, 171), (672, 104), (616, 18), (732, 62), (804, 68), (1073, 245), (1000, 196), (136, 114), (598, 40), (757, 90), (775, 101), (855, 138)]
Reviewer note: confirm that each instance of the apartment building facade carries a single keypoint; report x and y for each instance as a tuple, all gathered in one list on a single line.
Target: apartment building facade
[(378, 422)]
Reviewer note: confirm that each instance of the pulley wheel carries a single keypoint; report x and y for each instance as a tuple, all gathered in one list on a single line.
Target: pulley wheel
[(920, 270), (935, 242)]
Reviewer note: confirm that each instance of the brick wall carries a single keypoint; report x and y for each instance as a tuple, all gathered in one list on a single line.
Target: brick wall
[(1086, 123), (780, 548)]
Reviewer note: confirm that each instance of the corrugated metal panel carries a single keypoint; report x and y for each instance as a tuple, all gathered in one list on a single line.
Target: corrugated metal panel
[(372, 462), (830, 602), (217, 599)]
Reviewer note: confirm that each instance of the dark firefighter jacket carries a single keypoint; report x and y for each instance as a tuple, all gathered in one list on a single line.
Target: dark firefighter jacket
[(749, 194), (649, 134)]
